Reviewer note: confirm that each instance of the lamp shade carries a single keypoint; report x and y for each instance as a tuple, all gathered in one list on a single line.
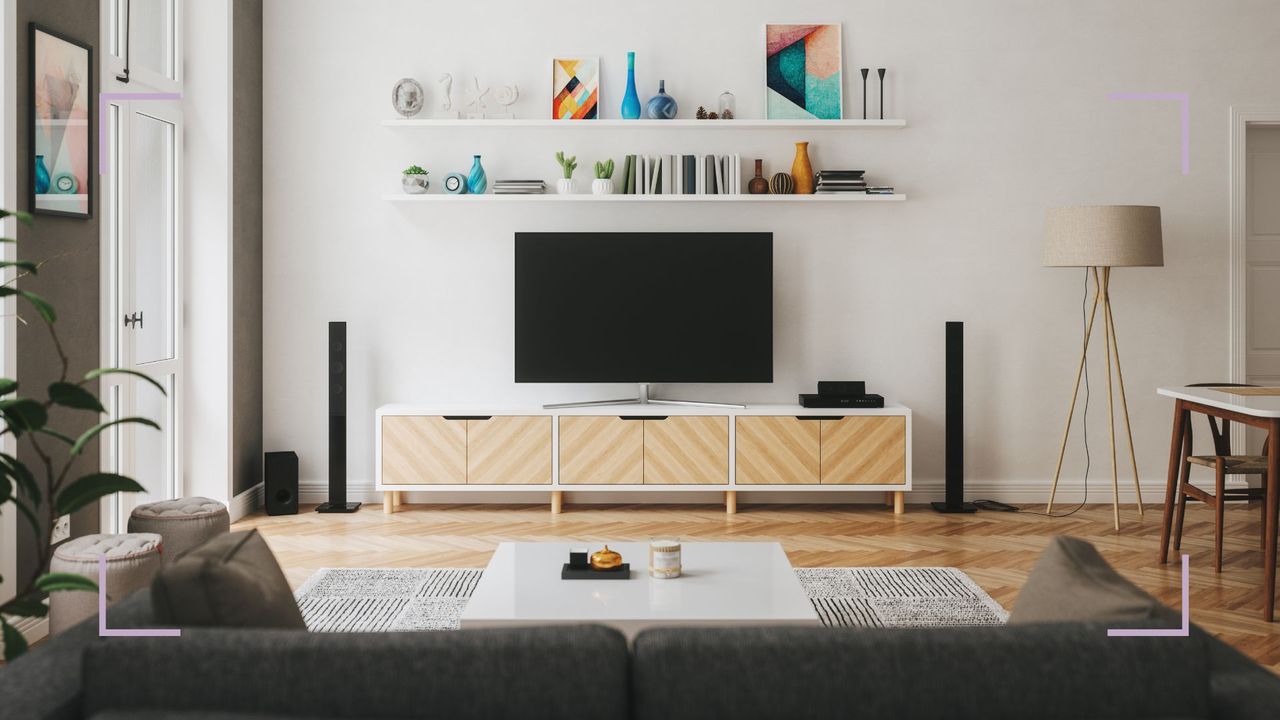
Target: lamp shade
[(1103, 236)]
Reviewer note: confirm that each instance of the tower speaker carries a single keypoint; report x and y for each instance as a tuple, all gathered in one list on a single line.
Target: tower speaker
[(338, 423), (955, 423), (280, 482)]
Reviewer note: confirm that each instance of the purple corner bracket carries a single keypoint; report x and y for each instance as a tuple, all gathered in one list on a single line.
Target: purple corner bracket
[(1183, 631), (1182, 97), (103, 630), (103, 99)]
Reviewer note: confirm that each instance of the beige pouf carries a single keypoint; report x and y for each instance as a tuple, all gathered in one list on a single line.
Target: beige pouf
[(132, 562), (184, 523)]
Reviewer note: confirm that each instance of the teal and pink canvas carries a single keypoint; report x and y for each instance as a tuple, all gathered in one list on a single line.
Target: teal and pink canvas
[(803, 72)]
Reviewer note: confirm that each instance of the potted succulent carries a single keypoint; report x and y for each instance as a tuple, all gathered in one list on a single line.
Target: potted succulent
[(415, 180), (603, 184), (566, 185)]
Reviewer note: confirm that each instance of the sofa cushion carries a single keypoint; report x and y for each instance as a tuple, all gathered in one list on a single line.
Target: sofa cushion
[(230, 581), (1071, 581)]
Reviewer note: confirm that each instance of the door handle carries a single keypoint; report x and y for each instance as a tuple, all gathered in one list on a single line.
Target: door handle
[(133, 320)]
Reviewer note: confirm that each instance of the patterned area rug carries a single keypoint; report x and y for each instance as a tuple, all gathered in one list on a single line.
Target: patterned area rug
[(401, 599)]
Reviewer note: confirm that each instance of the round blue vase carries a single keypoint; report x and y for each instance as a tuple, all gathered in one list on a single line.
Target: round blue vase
[(42, 176), (631, 100), (477, 181), (661, 106)]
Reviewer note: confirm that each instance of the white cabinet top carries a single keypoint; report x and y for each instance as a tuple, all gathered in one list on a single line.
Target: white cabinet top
[(464, 410)]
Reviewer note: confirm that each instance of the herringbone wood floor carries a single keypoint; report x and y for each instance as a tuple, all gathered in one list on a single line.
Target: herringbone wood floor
[(995, 549)]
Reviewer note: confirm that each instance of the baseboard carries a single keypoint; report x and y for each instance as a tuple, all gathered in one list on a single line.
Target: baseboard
[(246, 503), (33, 629)]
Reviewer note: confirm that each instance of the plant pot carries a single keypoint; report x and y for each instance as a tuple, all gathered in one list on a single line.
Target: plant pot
[(414, 184), (566, 186), (602, 186)]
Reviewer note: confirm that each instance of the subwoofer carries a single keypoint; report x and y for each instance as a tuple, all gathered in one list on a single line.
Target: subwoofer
[(338, 423), (955, 423), (280, 482)]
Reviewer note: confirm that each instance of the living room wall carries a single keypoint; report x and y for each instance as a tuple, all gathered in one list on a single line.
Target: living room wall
[(1008, 114)]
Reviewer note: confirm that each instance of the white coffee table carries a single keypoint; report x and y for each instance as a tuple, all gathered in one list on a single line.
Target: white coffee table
[(722, 584)]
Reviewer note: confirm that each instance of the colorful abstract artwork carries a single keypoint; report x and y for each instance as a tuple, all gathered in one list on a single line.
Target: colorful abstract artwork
[(803, 72), (575, 88), (61, 89)]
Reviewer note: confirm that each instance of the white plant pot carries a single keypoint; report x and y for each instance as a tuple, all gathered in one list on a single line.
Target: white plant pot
[(602, 186), (566, 186)]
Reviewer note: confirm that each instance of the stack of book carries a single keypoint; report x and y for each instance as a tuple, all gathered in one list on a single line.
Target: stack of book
[(682, 175), (519, 187), (880, 190), (841, 181)]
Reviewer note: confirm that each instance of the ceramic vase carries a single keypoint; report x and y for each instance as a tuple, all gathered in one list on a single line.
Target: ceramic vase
[(661, 106), (758, 185), (631, 100), (566, 186), (602, 186), (802, 171), (477, 181), (42, 176), (781, 184)]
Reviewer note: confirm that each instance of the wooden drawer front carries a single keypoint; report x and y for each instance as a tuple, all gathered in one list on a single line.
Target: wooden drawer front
[(864, 451), (689, 450), (423, 451), (509, 451), (780, 450), (601, 450)]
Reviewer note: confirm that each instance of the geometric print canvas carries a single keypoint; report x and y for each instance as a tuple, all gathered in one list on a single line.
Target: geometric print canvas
[(575, 88), (803, 72)]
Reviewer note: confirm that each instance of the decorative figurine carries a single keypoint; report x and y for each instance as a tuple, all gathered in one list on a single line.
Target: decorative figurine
[(475, 99), (605, 559), (506, 96), (446, 91), (566, 185), (880, 72), (631, 100), (415, 181), (661, 106), (864, 71), (781, 184), (408, 97), (578, 558)]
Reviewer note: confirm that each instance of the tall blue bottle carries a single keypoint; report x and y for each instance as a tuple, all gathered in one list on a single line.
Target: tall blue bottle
[(477, 181), (42, 176), (631, 101)]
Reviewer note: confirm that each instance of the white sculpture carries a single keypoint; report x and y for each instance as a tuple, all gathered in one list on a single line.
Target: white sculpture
[(506, 95), (446, 90), (475, 98)]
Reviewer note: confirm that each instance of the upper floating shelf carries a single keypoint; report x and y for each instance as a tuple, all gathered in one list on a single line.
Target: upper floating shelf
[(616, 123)]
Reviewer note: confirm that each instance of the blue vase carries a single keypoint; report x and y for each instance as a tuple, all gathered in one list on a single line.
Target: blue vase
[(661, 106), (631, 100), (42, 176), (477, 181)]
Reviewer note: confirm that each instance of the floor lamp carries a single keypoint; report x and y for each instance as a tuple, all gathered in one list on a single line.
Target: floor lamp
[(1101, 237)]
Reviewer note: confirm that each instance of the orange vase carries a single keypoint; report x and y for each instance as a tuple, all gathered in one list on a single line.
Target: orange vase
[(802, 171)]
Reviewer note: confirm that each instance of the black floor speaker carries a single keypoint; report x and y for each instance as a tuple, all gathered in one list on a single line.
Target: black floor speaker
[(338, 423), (280, 482), (955, 423)]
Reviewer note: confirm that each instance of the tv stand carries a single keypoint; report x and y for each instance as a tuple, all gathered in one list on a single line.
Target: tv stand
[(642, 399)]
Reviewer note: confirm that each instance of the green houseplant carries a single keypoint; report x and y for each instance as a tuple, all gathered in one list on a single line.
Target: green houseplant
[(603, 184), (415, 180), (49, 490), (566, 185)]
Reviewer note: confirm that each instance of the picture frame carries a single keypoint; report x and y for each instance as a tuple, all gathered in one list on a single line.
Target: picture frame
[(61, 96), (575, 88), (804, 71)]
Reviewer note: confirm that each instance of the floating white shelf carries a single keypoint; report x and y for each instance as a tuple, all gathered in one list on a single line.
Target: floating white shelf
[(586, 198), (669, 124)]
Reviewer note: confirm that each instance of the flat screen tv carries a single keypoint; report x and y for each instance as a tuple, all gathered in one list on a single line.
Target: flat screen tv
[(685, 307)]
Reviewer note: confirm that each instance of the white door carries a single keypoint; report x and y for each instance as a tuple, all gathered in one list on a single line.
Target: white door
[(1262, 260)]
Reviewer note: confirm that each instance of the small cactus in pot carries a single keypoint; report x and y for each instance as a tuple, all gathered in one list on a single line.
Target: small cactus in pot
[(603, 184), (414, 181), (566, 185)]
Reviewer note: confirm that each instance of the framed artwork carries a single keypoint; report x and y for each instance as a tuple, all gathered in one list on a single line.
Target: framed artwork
[(803, 72), (575, 88), (61, 136)]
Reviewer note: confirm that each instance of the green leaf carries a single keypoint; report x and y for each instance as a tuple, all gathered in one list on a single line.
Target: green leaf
[(95, 374), (96, 430), (41, 305), (26, 608), (21, 265), (24, 217), (73, 396), (24, 414), (90, 488), (52, 582), (14, 644), (8, 386), (12, 467)]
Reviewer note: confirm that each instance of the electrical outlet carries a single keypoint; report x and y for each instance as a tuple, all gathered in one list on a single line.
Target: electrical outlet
[(62, 529)]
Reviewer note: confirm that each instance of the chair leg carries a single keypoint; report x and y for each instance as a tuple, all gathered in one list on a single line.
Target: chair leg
[(1219, 507)]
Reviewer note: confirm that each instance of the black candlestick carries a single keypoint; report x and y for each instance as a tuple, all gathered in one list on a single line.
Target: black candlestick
[(880, 72), (864, 92)]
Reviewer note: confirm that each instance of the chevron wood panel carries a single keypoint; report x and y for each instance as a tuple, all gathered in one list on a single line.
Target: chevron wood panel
[(864, 451), (996, 549), (686, 450), (601, 450), (423, 451), (779, 450), (509, 451)]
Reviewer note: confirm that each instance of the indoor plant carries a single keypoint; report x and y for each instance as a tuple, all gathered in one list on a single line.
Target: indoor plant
[(46, 493), (566, 185), (603, 184), (415, 180)]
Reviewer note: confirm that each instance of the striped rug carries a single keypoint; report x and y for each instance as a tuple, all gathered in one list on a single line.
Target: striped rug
[(403, 599)]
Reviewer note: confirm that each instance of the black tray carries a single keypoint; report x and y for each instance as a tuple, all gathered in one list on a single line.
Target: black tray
[(622, 572)]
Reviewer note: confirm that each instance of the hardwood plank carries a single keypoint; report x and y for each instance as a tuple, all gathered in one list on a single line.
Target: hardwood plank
[(601, 450), (779, 450), (509, 451), (423, 451), (686, 450)]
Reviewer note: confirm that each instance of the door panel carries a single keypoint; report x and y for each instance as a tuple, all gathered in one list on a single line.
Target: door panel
[(1262, 263), (509, 451), (423, 451), (153, 247), (689, 450), (864, 451), (780, 450), (601, 451)]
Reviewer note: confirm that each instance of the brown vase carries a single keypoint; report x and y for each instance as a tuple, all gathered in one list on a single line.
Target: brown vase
[(802, 171), (758, 185)]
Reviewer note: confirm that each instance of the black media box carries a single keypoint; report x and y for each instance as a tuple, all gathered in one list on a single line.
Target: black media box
[(842, 387), (841, 401)]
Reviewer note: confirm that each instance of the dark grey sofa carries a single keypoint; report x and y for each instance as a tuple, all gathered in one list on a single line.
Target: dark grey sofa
[(1047, 671)]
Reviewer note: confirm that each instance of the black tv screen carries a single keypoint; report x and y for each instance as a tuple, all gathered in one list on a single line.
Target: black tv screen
[(644, 307)]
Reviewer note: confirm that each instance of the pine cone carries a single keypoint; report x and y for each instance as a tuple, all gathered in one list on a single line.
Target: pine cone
[(728, 115), (702, 113), (712, 116)]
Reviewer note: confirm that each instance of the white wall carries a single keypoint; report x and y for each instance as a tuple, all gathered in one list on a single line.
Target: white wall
[(1008, 115)]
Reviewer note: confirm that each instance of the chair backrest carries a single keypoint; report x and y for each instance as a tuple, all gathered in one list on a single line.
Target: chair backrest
[(1221, 437)]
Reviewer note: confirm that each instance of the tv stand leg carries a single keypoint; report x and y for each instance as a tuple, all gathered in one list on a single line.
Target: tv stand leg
[(557, 502), (731, 502), (899, 502), (397, 501), (388, 501)]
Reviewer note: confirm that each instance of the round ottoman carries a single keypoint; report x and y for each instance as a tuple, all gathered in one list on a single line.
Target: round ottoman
[(132, 561), (184, 523)]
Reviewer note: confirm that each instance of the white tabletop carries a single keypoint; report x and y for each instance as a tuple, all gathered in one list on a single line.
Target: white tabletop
[(722, 584), (1264, 406)]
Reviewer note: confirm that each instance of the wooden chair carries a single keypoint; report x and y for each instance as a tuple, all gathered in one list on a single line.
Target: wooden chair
[(1223, 464)]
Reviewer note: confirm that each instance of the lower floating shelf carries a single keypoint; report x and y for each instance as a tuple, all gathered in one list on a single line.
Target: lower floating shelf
[(585, 198)]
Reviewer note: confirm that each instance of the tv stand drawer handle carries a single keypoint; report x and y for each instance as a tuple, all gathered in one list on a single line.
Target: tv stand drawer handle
[(819, 417), (467, 417), (642, 417)]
